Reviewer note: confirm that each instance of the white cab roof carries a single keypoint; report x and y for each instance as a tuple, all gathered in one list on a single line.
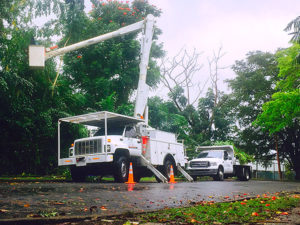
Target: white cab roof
[(97, 119), (228, 148)]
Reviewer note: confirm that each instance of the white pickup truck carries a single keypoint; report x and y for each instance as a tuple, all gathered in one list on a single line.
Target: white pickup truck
[(218, 162)]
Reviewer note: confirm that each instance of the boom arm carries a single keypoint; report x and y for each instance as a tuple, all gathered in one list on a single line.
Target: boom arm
[(37, 56), (143, 88)]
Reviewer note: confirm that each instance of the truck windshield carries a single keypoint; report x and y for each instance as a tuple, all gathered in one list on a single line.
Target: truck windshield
[(110, 131), (211, 154)]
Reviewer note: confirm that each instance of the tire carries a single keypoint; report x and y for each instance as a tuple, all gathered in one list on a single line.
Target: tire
[(167, 168), (220, 175), (246, 175), (78, 174), (121, 169), (194, 178)]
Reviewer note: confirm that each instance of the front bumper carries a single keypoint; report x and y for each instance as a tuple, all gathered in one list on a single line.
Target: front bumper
[(202, 172), (84, 160)]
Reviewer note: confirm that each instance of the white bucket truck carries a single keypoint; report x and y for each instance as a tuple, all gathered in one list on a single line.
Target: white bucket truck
[(120, 139), (218, 162)]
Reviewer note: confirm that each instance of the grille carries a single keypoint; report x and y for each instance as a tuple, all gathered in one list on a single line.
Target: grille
[(88, 147), (200, 164)]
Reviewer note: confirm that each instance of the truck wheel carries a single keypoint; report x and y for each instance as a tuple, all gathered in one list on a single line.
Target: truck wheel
[(167, 168), (121, 170), (194, 178), (220, 175), (246, 175), (77, 174)]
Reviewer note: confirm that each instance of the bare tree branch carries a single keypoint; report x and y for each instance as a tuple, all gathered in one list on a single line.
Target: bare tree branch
[(180, 71)]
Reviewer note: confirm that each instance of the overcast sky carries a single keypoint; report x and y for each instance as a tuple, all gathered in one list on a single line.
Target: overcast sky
[(239, 26)]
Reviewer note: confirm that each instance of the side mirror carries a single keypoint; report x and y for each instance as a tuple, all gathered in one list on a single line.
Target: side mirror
[(230, 158)]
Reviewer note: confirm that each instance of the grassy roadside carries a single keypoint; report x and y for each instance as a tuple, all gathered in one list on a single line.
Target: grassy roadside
[(32, 178), (265, 209), (92, 179), (261, 208)]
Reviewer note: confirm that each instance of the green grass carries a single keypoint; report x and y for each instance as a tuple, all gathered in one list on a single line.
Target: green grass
[(32, 178), (253, 210)]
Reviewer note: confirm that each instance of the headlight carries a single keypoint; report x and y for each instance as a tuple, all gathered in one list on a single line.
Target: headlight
[(213, 164)]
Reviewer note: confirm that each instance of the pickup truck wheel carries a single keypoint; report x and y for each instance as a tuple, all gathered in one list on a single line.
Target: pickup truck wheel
[(246, 175), (77, 174), (121, 170), (220, 175)]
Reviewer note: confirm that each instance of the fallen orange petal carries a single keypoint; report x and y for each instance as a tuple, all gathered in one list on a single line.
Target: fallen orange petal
[(103, 208), (26, 205), (254, 214), (284, 213)]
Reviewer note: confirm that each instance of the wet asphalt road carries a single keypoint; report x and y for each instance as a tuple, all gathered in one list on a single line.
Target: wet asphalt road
[(35, 199)]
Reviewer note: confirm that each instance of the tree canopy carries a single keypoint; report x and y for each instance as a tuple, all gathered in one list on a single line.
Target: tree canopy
[(262, 107), (280, 116), (102, 77)]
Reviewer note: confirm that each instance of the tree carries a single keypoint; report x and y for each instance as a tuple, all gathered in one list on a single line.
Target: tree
[(295, 26), (164, 115), (253, 86), (31, 107), (280, 115), (208, 117), (215, 121), (106, 74), (29, 114), (177, 75)]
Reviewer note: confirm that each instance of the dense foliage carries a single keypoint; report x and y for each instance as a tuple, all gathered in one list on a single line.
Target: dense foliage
[(261, 111), (253, 86), (280, 115), (101, 77)]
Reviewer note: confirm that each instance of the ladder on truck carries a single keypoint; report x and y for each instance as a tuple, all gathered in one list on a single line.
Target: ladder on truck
[(154, 170), (184, 173), (162, 177)]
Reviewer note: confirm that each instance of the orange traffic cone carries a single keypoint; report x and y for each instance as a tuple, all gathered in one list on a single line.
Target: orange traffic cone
[(130, 176), (172, 180), (130, 187)]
